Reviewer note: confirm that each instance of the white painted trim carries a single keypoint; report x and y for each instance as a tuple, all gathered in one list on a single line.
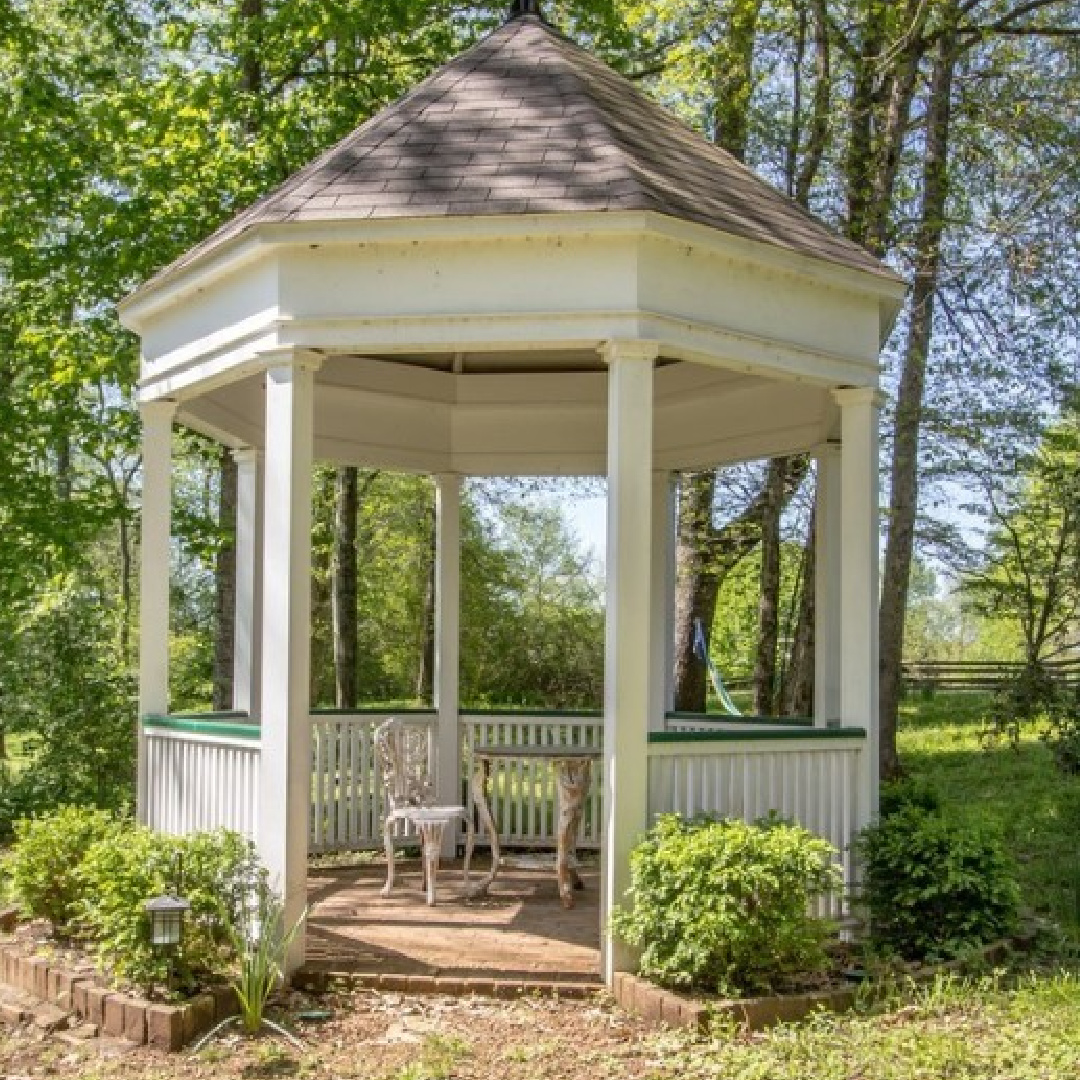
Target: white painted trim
[(628, 637), (447, 672), (829, 569), (265, 240), (249, 552), (285, 762), (154, 576)]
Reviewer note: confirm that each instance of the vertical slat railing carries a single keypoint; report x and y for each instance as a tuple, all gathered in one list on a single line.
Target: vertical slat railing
[(810, 780), (198, 781)]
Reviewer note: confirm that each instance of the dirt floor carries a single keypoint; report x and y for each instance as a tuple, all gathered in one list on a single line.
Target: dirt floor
[(381, 1036)]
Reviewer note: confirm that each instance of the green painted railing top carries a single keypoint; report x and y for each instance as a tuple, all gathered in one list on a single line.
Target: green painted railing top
[(770, 734), (743, 718), (206, 724)]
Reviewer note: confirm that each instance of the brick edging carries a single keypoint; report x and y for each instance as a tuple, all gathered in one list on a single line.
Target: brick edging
[(166, 1027), (319, 980), (657, 1006)]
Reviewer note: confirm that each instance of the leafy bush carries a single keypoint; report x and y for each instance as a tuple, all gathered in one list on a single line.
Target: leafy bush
[(45, 860), (120, 872), (935, 886), (722, 905), (909, 791)]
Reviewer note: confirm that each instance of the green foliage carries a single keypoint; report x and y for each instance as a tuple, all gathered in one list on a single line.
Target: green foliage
[(68, 686), (935, 886), (722, 905), (909, 791), (261, 941), (122, 871), (46, 857)]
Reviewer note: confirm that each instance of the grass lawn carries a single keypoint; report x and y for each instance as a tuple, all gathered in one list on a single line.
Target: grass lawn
[(1019, 792)]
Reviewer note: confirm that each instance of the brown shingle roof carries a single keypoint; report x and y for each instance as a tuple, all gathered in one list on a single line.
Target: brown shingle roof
[(526, 122)]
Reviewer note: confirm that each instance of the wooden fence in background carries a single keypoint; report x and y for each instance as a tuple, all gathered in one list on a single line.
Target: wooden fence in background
[(981, 675)]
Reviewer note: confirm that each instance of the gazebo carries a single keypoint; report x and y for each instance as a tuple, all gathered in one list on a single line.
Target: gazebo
[(523, 267)]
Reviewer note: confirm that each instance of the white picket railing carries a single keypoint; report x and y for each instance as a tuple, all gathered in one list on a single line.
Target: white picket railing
[(205, 774), (201, 775), (813, 779), (347, 799)]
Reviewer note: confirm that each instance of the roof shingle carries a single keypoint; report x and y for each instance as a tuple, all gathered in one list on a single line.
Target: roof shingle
[(526, 122)]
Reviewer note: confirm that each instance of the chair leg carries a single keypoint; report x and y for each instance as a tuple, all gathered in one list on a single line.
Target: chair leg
[(431, 833), (388, 843)]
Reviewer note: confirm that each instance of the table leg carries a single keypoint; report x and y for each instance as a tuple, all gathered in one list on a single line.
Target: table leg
[(478, 789), (572, 779)]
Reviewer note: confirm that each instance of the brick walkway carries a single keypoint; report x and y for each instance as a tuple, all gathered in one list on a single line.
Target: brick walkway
[(520, 932)]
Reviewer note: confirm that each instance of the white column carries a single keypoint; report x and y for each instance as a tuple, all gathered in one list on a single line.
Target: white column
[(859, 580), (628, 639), (246, 668), (157, 423), (663, 599), (828, 570), (285, 769), (447, 643)]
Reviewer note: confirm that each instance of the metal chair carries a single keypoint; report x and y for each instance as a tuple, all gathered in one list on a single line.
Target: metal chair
[(402, 754)]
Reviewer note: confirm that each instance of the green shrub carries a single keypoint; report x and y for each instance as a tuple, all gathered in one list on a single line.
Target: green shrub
[(910, 791), (45, 860), (120, 873), (722, 905), (935, 886)]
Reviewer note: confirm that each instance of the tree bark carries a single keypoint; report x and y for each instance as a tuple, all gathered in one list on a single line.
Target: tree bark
[(769, 595), (225, 585), (343, 588), (903, 505), (797, 692)]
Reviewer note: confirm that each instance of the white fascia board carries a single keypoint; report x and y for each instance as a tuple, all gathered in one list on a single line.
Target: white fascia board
[(200, 274)]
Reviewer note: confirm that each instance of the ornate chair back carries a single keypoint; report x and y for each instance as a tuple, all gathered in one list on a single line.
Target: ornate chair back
[(403, 755)]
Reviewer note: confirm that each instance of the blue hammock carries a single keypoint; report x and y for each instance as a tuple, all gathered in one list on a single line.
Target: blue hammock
[(701, 651)]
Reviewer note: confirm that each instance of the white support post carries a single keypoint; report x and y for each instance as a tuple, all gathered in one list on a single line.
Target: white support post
[(828, 571), (285, 760), (663, 598), (447, 643), (157, 425), (859, 580), (246, 667), (628, 638)]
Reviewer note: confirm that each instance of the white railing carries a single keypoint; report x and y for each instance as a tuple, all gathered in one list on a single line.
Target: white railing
[(201, 775), (347, 798), (522, 790), (814, 779)]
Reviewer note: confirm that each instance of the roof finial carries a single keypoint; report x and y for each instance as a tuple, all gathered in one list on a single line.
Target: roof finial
[(525, 7)]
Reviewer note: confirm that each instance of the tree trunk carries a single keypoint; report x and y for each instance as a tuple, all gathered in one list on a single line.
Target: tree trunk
[(797, 693), (225, 586), (769, 595), (343, 587), (903, 505)]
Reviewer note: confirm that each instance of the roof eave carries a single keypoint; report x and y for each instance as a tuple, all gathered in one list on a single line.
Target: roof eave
[(174, 286)]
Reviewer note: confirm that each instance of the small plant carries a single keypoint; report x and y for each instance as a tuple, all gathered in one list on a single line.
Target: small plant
[(723, 905), (935, 886), (262, 942), (46, 857)]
